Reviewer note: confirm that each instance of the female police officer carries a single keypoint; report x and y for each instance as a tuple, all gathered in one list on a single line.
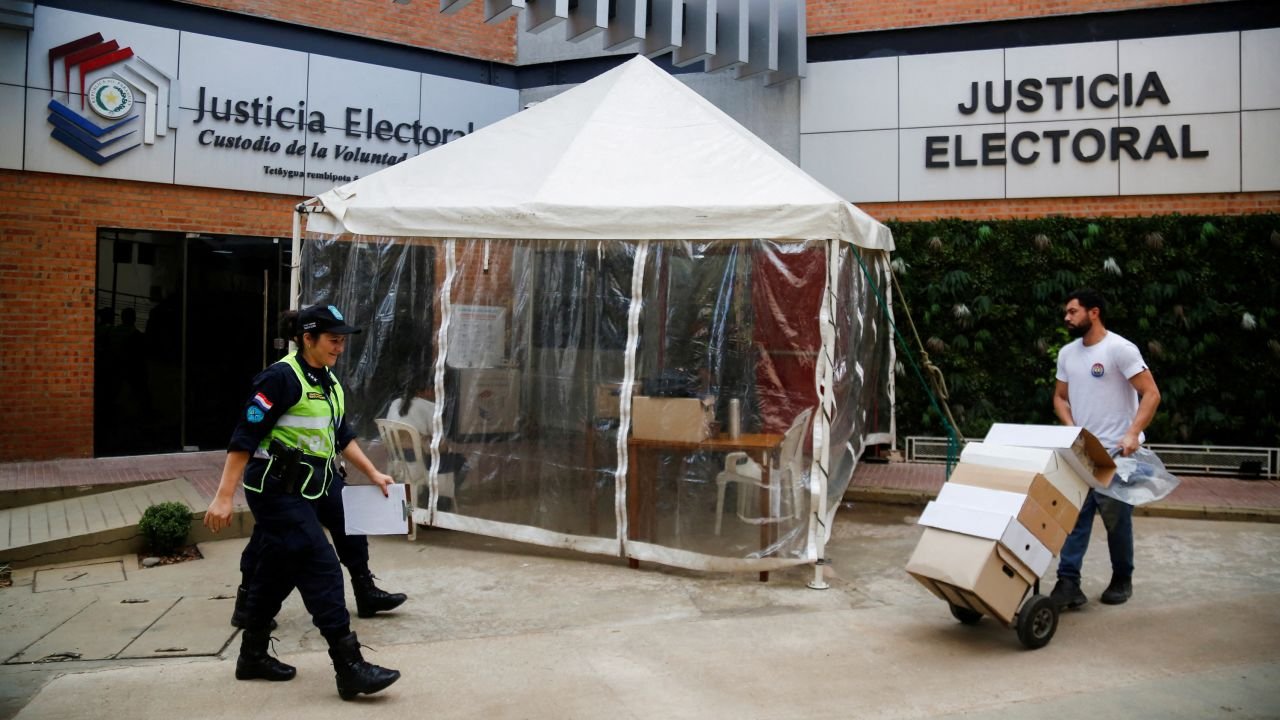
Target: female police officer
[(284, 449)]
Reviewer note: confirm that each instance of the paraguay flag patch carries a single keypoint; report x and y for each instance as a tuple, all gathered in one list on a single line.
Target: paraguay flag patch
[(262, 401)]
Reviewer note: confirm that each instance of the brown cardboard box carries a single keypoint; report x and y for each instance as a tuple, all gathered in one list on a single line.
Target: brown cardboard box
[(675, 419), (971, 572), (1030, 460), (1037, 487), (1044, 526)]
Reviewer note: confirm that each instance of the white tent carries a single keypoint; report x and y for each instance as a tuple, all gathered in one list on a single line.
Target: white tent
[(640, 232), (632, 154)]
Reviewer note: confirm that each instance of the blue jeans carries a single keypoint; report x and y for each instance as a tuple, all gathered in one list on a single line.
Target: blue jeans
[(1117, 517)]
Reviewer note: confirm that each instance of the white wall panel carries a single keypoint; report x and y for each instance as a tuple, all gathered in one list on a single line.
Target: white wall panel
[(953, 183), (1219, 172), (199, 161), (1084, 60), (334, 85), (13, 56), (1065, 178), (1260, 131), (858, 166), (1260, 69), (850, 95), (449, 103), (11, 126), (243, 71), (932, 87), (1200, 73)]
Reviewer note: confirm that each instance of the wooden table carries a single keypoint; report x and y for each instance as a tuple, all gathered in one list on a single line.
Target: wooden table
[(642, 471)]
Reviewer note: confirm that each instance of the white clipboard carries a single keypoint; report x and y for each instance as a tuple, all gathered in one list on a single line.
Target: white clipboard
[(367, 512)]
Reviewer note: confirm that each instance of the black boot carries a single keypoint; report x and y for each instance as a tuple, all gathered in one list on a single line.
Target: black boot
[(1067, 595), (1120, 589), (255, 663), (354, 675), (239, 618), (370, 599)]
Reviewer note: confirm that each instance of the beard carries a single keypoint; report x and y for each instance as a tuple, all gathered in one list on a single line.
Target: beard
[(1079, 331)]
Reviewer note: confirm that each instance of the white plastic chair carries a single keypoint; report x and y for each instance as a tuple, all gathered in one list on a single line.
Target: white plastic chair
[(403, 442), (785, 478)]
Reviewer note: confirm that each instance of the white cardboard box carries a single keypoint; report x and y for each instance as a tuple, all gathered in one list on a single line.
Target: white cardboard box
[(1001, 527), (971, 572), (1020, 506), (1037, 460), (1078, 447), (1024, 482)]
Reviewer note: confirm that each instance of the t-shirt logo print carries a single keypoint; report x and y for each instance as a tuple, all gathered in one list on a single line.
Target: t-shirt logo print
[(1097, 370)]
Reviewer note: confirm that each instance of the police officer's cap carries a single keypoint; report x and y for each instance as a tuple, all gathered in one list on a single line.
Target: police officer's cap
[(324, 318)]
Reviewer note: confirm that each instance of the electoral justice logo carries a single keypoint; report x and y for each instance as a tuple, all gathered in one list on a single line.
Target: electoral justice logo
[(99, 121)]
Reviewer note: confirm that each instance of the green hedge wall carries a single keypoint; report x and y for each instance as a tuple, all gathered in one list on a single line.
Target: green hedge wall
[(1199, 296)]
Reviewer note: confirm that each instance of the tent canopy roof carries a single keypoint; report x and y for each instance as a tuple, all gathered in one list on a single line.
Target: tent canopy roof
[(631, 154)]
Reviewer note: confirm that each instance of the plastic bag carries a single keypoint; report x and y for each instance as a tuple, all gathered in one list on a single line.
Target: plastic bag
[(1140, 478)]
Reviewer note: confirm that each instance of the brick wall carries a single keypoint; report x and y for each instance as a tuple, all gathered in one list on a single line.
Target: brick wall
[(829, 17), (1135, 206), (418, 23), (48, 267)]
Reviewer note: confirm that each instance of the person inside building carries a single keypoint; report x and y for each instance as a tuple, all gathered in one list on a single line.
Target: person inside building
[(284, 450), (416, 406), (1105, 387)]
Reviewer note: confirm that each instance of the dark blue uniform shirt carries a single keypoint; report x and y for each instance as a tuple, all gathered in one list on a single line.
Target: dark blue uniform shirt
[(274, 391)]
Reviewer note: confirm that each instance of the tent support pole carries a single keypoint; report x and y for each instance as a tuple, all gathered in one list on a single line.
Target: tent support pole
[(295, 257), (825, 377)]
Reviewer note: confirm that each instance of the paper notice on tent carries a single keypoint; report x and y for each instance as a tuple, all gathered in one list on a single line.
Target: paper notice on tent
[(369, 512), (477, 336)]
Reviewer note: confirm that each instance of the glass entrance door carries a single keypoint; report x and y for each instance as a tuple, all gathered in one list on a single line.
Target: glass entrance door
[(184, 323)]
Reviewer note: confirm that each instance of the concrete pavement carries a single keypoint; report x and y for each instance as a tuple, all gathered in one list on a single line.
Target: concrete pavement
[(500, 630)]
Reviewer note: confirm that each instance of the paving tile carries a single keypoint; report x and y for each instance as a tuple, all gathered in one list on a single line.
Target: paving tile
[(194, 626), (98, 632), (25, 618)]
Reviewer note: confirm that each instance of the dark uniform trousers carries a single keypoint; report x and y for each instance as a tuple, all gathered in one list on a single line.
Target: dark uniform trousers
[(288, 549), (353, 550)]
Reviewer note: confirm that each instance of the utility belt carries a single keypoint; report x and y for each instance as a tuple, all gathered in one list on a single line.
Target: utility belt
[(290, 472)]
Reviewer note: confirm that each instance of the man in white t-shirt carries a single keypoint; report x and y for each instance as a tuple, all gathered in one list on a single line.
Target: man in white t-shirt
[(1105, 387)]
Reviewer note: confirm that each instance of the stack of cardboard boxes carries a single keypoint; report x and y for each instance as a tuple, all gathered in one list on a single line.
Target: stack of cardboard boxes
[(1004, 514)]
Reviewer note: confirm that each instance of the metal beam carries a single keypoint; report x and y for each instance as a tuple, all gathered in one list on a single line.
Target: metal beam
[(731, 35), (627, 24), (541, 15), (762, 39), (699, 39), (665, 27)]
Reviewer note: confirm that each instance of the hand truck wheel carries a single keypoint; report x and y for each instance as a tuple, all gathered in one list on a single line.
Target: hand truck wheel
[(1037, 622)]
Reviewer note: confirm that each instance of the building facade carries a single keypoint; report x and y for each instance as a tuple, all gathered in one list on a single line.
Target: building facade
[(151, 153)]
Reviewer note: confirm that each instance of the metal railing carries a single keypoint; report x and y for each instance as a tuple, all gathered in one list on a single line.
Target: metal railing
[(1226, 460)]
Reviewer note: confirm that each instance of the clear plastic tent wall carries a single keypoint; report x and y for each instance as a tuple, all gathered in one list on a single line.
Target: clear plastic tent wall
[(535, 352)]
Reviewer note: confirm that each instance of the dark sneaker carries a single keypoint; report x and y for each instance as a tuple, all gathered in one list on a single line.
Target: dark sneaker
[(1067, 594), (1120, 590)]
